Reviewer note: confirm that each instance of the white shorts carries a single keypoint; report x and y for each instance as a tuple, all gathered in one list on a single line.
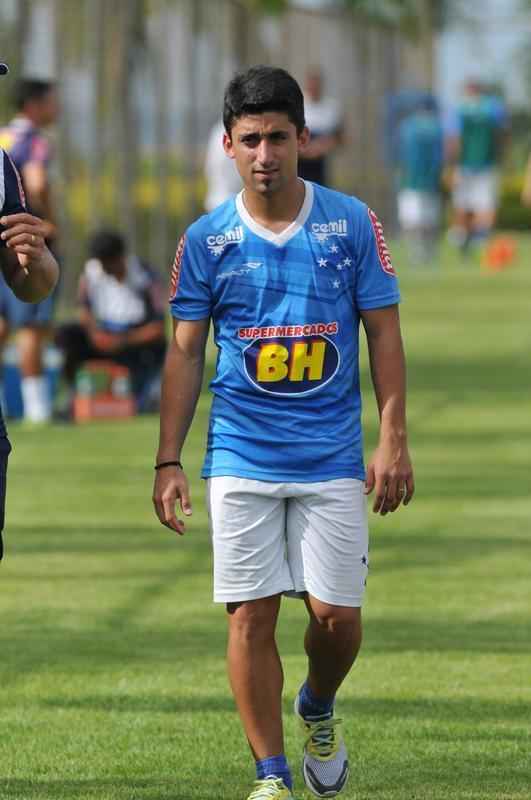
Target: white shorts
[(476, 191), (273, 538), (418, 209)]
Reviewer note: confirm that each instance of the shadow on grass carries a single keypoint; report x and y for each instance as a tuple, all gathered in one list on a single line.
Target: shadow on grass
[(192, 558), (116, 642), (462, 711), (125, 539), (117, 789), (466, 710), (425, 636), (146, 703), (436, 548), (468, 377)]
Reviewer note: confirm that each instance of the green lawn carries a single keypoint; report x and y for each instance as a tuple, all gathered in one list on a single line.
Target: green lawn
[(113, 681)]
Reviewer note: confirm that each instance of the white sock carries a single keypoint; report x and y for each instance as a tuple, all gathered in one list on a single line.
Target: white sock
[(36, 398)]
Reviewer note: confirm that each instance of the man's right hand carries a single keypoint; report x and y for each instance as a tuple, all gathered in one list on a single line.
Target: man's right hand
[(171, 484), (107, 342)]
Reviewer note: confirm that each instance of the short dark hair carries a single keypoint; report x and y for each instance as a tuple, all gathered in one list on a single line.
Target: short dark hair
[(262, 89), (106, 245), (28, 89)]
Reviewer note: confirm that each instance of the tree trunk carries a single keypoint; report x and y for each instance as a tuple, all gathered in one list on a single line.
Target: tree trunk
[(125, 16), (95, 51), (159, 246)]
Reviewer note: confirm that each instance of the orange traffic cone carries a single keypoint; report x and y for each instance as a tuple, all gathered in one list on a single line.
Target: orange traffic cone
[(499, 254)]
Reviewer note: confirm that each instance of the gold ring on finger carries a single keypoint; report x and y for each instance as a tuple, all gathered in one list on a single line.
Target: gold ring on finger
[(33, 238)]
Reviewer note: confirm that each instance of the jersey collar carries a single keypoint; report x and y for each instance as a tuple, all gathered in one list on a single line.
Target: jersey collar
[(279, 239)]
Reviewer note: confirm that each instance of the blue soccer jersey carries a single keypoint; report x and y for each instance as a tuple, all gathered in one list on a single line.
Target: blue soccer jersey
[(285, 309)]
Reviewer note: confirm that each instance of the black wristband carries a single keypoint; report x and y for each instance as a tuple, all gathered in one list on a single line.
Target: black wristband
[(169, 464)]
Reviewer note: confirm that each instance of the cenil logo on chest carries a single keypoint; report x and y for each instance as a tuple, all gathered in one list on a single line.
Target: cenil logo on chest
[(291, 365)]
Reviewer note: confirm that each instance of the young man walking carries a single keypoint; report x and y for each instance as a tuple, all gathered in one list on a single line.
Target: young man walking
[(285, 271)]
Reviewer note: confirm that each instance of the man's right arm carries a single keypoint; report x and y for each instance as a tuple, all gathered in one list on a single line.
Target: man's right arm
[(181, 385), (37, 184)]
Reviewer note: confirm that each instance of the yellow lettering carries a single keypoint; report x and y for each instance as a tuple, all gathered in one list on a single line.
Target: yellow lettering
[(271, 363), (302, 360)]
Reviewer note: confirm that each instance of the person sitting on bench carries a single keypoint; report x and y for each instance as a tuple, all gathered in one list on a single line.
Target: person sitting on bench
[(122, 306)]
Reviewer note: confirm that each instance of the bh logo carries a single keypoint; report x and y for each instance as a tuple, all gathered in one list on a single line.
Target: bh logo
[(293, 367)]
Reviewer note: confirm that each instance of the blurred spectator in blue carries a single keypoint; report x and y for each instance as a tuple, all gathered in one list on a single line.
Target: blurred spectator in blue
[(476, 136), (324, 119), (122, 307), (526, 189), (29, 148), (420, 157)]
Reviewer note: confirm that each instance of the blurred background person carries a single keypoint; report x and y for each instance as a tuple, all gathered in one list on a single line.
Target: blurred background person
[(477, 134), (121, 318), (420, 155), (325, 121), (37, 107), (222, 178), (526, 189)]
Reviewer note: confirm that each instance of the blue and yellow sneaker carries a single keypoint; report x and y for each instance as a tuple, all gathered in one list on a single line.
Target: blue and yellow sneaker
[(325, 762), (270, 788)]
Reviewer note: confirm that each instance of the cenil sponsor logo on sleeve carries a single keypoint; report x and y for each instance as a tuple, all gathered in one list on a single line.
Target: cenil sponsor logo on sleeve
[(290, 360)]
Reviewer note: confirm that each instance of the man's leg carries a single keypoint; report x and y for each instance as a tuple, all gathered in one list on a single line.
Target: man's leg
[(4, 336), (248, 521), (328, 547), (4, 332), (73, 341), (332, 642), (35, 390), (483, 225), (255, 673), (144, 362), (5, 449), (76, 348), (256, 678)]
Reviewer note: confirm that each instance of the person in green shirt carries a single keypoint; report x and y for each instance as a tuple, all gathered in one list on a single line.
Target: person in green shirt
[(475, 145), (420, 164)]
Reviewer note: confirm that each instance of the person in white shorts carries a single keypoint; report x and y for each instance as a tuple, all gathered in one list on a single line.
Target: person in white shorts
[(477, 134), (285, 270), (420, 164)]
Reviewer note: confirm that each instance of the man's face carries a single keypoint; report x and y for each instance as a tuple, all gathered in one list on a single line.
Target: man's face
[(265, 148), (314, 86), (117, 267), (46, 108)]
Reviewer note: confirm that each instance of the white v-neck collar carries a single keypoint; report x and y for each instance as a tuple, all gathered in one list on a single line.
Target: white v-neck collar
[(288, 233)]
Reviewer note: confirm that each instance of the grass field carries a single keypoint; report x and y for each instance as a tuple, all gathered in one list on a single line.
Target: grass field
[(113, 681)]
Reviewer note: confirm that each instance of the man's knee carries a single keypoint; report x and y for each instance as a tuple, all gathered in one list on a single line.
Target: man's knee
[(253, 620), (344, 621)]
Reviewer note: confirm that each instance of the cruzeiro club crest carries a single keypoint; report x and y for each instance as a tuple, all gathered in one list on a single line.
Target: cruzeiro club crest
[(290, 360)]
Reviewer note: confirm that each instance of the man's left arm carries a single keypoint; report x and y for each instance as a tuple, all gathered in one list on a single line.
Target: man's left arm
[(28, 266), (153, 328), (147, 333), (389, 471)]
